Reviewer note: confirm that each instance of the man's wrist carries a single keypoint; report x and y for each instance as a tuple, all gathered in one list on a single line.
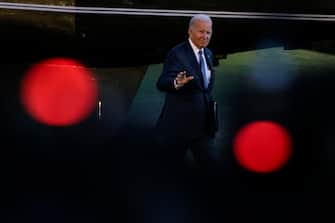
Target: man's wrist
[(176, 85)]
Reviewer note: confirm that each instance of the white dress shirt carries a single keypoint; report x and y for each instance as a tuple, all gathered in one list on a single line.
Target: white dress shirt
[(196, 53)]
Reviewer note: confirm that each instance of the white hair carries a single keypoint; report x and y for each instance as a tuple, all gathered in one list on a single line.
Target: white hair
[(199, 17)]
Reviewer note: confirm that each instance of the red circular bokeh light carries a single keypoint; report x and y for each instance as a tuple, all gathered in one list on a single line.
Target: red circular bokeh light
[(262, 147), (59, 92)]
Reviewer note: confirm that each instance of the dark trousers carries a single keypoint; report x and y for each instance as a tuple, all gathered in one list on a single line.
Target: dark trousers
[(173, 150)]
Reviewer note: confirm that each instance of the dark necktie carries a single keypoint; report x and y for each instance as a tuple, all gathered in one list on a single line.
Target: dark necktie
[(203, 68)]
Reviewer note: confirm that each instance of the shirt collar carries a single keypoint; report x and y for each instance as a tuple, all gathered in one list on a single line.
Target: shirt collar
[(194, 47)]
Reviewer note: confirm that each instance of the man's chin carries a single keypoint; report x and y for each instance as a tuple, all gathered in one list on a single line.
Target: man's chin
[(204, 44)]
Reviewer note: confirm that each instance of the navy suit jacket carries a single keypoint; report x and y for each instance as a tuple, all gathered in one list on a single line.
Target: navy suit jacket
[(185, 111)]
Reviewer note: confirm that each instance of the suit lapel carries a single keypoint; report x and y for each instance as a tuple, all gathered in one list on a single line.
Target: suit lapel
[(209, 61), (193, 62), (191, 58)]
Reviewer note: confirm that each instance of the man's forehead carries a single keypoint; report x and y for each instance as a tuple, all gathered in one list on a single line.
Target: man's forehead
[(202, 22), (203, 25)]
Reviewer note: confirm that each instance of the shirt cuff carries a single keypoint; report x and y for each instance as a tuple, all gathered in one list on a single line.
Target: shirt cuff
[(176, 86)]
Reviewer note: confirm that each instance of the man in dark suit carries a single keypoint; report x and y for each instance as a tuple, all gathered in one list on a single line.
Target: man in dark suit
[(187, 79)]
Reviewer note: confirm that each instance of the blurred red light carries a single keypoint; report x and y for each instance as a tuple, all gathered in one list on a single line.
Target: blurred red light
[(262, 147), (59, 91)]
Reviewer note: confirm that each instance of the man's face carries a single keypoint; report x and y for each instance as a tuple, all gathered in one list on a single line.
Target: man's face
[(200, 33)]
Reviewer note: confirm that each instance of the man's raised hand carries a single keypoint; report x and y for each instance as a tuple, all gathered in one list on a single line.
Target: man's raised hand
[(182, 79)]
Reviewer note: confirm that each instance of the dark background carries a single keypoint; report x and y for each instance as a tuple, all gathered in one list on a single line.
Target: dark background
[(110, 169)]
